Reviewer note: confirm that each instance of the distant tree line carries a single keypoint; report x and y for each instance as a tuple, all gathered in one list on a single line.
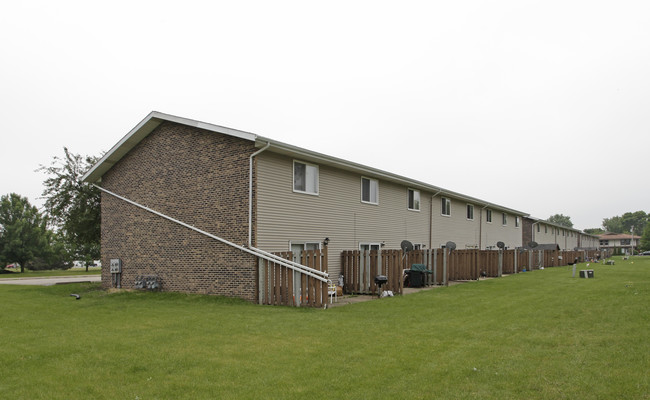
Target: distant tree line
[(637, 223), (67, 230), (638, 220)]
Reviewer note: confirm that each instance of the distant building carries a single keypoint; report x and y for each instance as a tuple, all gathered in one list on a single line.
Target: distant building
[(618, 243), (200, 205), (543, 232)]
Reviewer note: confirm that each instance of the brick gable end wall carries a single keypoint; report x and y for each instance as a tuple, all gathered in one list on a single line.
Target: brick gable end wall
[(197, 177)]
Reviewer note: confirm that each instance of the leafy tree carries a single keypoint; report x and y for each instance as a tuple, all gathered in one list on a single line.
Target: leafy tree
[(54, 255), (560, 219), (645, 238), (24, 230), (613, 224), (594, 231), (74, 206), (624, 223), (636, 219)]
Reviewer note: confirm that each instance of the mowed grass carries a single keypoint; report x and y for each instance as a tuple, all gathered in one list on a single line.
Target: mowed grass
[(535, 335), (15, 273)]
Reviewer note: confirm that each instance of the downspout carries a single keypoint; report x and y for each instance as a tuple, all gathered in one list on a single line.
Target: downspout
[(250, 194), (480, 228), (532, 232), (431, 220)]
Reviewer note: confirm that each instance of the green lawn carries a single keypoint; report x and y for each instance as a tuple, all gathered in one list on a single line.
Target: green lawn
[(9, 273), (535, 335)]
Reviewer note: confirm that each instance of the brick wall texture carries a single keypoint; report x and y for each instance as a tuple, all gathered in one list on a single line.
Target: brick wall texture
[(192, 175), (527, 231)]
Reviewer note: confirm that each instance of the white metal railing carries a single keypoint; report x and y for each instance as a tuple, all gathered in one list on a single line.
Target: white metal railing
[(319, 275)]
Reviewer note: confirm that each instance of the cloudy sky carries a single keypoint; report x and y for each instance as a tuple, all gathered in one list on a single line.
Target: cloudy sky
[(540, 106)]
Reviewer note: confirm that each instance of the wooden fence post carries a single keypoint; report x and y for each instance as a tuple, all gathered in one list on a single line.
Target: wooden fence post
[(444, 267), (500, 270)]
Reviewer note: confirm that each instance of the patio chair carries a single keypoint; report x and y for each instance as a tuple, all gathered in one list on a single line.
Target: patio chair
[(331, 291)]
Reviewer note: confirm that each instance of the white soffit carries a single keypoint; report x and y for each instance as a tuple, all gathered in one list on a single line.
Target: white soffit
[(142, 130)]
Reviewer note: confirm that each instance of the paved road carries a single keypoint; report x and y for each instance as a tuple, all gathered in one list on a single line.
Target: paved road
[(50, 280)]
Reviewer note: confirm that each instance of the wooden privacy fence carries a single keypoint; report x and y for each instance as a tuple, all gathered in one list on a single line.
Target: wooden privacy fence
[(359, 268), (281, 285)]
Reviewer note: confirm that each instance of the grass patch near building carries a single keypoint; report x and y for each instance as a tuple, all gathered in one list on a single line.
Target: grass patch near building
[(534, 335), (7, 273)]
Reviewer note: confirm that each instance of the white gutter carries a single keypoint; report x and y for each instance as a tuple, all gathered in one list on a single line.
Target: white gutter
[(258, 253), (480, 226), (532, 232), (297, 265), (250, 194), (431, 219), (250, 221), (308, 155)]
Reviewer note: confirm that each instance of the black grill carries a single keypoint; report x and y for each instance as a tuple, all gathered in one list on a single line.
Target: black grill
[(380, 280)]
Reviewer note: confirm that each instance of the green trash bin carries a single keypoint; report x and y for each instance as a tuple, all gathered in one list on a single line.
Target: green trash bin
[(416, 275)]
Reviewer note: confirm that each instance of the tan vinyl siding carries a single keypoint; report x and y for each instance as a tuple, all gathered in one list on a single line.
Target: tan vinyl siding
[(553, 234), (495, 231), (454, 227), (545, 235), (338, 213)]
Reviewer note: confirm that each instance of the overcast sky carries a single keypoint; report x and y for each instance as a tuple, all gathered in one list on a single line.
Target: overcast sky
[(540, 106)]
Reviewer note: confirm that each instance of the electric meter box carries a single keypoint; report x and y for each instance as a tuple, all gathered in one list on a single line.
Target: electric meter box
[(116, 266)]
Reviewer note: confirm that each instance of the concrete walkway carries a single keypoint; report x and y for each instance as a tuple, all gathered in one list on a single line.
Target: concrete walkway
[(51, 280), (353, 299)]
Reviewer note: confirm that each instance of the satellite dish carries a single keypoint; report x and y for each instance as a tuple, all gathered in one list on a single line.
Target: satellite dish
[(501, 245), (450, 245), (532, 245), (406, 246)]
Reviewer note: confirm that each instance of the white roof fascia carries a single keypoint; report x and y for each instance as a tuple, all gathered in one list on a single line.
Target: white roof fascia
[(308, 155), (155, 118), (559, 226), (144, 128)]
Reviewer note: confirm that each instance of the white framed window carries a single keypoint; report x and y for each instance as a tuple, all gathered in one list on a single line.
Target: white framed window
[(369, 246), (488, 215), (504, 219), (297, 247), (445, 206), (413, 200), (545, 229), (470, 212), (369, 190), (516, 222), (305, 177)]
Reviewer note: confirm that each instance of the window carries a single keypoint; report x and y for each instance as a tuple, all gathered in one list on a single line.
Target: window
[(516, 222), (369, 246), (488, 215), (537, 228), (305, 178), (414, 199), (470, 212), (446, 206), (545, 229), (504, 219), (298, 247), (369, 190)]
